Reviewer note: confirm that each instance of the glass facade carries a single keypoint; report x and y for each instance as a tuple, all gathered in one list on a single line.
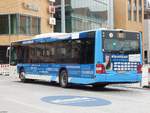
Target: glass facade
[(19, 24), (82, 15)]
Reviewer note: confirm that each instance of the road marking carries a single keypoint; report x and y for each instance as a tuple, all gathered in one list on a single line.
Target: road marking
[(73, 100), (76, 101)]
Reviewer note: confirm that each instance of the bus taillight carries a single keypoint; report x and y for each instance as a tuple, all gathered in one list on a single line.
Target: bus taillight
[(100, 68), (139, 68)]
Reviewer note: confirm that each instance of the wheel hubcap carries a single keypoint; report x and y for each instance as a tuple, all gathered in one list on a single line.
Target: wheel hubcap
[(22, 75), (64, 79)]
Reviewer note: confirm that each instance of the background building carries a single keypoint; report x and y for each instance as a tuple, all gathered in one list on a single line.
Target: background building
[(85, 14), (147, 32), (129, 14), (91, 14), (21, 19)]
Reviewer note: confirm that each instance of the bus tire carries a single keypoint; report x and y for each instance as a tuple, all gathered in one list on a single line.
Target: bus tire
[(22, 75), (63, 78)]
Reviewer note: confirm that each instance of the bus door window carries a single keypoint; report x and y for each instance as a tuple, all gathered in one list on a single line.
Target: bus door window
[(83, 52), (20, 52), (87, 51), (76, 51)]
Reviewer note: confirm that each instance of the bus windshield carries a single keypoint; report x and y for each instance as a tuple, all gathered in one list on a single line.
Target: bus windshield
[(119, 45)]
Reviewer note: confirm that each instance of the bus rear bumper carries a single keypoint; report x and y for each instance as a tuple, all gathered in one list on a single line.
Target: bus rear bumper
[(119, 78), (109, 79)]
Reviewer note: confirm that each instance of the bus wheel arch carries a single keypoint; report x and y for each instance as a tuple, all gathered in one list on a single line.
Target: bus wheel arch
[(63, 77)]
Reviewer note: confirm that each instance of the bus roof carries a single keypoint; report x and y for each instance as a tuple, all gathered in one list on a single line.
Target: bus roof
[(46, 37), (50, 37)]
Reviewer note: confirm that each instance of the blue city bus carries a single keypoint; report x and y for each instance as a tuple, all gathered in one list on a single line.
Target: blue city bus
[(97, 57)]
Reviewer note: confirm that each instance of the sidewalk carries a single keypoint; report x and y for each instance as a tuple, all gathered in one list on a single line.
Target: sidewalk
[(133, 85)]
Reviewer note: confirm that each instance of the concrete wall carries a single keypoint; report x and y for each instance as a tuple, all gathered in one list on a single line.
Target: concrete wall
[(147, 37)]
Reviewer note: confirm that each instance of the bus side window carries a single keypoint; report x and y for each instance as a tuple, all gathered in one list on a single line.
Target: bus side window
[(50, 51)]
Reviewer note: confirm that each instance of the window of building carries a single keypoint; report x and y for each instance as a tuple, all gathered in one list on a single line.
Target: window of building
[(146, 16), (19, 24), (13, 22), (135, 10), (35, 25), (146, 57), (23, 25), (4, 24), (140, 10), (28, 24), (129, 9), (3, 58), (38, 25)]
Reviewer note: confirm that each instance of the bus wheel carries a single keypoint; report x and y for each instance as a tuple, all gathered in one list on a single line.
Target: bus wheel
[(22, 76), (63, 78)]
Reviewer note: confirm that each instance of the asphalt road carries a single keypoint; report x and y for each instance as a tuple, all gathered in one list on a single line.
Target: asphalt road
[(43, 97)]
